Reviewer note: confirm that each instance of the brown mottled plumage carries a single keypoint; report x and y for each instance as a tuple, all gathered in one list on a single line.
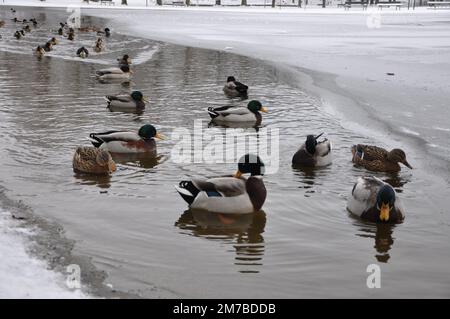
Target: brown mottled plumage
[(378, 159), (2, 23), (91, 160)]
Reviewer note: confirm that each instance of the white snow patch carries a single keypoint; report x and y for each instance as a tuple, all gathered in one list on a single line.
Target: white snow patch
[(23, 276)]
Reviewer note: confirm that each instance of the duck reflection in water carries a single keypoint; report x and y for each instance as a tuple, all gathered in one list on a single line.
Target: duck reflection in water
[(382, 233), (101, 181), (141, 160), (243, 231)]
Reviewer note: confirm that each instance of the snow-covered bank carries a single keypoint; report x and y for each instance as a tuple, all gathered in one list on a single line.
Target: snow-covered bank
[(23, 276)]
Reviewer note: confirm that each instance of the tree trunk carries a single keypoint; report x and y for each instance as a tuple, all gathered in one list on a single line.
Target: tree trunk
[(244, 3), (274, 2), (159, 2), (124, 2)]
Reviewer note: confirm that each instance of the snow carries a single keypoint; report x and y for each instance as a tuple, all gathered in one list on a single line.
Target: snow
[(23, 276)]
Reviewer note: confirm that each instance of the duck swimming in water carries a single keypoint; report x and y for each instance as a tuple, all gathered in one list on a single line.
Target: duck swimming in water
[(228, 195), (123, 72), (39, 52), (128, 142), (377, 159), (234, 88), (18, 35), (106, 32), (27, 28), (125, 60), (91, 160), (48, 47), (82, 52), (98, 45), (229, 114), (2, 23), (135, 100), (376, 201), (313, 153)]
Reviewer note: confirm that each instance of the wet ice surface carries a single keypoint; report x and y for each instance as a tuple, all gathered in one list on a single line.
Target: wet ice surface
[(135, 226)]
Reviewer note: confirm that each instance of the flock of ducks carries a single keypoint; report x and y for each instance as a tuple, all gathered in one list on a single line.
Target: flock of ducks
[(371, 198)]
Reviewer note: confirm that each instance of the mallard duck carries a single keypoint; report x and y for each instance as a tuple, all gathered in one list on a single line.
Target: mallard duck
[(60, 31), (92, 160), (53, 41), (106, 32), (39, 52), (48, 47), (127, 142), (378, 159), (98, 47), (227, 114), (234, 88), (34, 22), (123, 72), (376, 201), (82, 52), (18, 35), (228, 195), (71, 36), (313, 153), (2, 23), (125, 60), (27, 28), (135, 100)]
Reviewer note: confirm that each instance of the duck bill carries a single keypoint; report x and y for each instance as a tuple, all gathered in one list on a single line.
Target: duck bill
[(238, 174), (160, 136), (318, 136), (263, 109), (405, 162), (384, 212)]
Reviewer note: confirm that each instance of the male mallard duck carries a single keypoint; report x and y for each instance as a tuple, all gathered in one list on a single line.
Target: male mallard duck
[(127, 142), (125, 60), (229, 114), (82, 52), (39, 52), (313, 153), (18, 35), (378, 159), (92, 160), (234, 88), (106, 32), (135, 100), (375, 200), (228, 195), (123, 72), (34, 22)]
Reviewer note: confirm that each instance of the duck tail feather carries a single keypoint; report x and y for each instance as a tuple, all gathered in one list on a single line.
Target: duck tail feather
[(187, 191)]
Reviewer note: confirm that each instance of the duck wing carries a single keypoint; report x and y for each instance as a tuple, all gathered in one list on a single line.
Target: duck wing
[(370, 152), (226, 111), (323, 148), (121, 98), (98, 139), (109, 71), (364, 194), (240, 87)]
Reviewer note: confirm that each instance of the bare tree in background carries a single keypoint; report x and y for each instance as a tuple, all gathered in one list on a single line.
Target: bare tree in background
[(124, 2)]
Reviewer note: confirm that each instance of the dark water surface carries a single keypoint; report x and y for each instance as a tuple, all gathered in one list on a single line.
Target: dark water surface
[(134, 225)]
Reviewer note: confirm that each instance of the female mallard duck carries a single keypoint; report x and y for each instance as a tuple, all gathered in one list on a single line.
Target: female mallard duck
[(228, 195), (378, 159), (27, 28), (2, 23), (39, 52), (234, 88), (53, 41), (229, 114), (71, 36), (83, 52), (91, 160), (375, 200), (127, 142), (135, 100), (313, 153), (123, 72), (98, 47)]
